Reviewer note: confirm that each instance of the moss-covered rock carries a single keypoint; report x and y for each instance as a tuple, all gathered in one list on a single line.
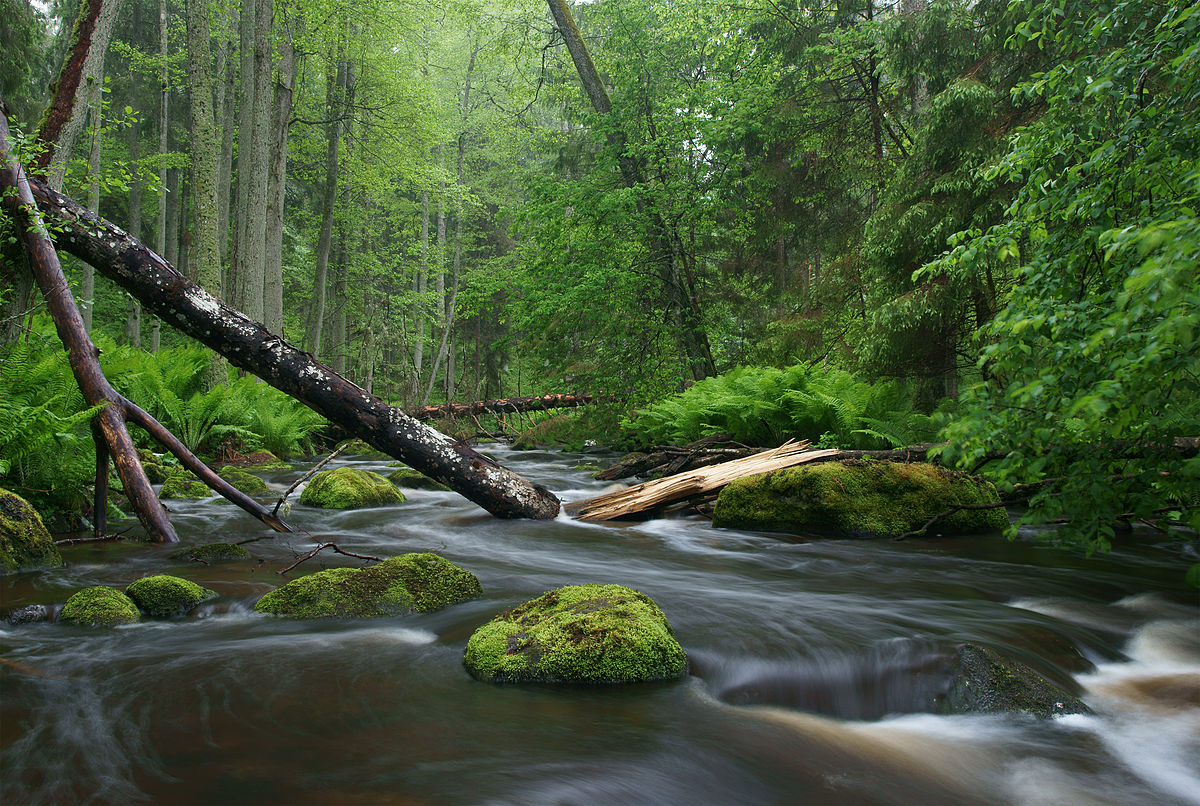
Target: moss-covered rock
[(24, 541), (410, 582), (99, 607), (985, 682), (357, 447), (212, 552), (182, 484), (264, 460), (156, 471), (589, 634), (414, 480), (243, 480), (350, 488), (164, 596), (859, 498)]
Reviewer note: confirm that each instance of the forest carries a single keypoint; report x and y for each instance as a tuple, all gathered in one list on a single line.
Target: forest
[(860, 223)]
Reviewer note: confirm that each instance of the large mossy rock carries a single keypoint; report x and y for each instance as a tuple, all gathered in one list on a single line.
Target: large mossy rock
[(182, 484), (860, 498), (244, 480), (24, 541), (585, 634), (358, 447), (350, 488), (164, 596), (99, 607), (410, 582), (983, 681), (212, 552), (414, 480)]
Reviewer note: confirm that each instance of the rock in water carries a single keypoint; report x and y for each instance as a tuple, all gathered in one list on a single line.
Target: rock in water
[(414, 480), (164, 596), (99, 607), (24, 541), (410, 582), (590, 634), (985, 682), (350, 488), (182, 484), (243, 480), (212, 552), (859, 498)]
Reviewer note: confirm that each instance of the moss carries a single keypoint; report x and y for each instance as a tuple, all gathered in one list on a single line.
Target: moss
[(164, 596), (264, 460), (24, 540), (399, 585), (156, 471), (859, 498), (182, 484), (357, 447), (587, 634), (212, 552), (414, 480), (99, 607), (243, 480), (350, 488), (985, 682)]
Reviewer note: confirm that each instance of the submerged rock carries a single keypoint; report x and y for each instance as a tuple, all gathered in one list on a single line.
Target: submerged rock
[(164, 596), (860, 498), (350, 488), (99, 607), (29, 614), (24, 541), (985, 682), (182, 484), (590, 634), (418, 582), (212, 552), (414, 480), (243, 480)]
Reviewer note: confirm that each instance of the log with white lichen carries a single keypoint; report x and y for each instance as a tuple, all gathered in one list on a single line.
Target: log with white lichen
[(249, 345)]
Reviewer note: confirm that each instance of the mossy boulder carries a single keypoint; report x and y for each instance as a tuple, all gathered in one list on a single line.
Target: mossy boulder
[(583, 634), (182, 484), (985, 682), (156, 471), (414, 480), (164, 596), (24, 540), (860, 498), (350, 488), (357, 447), (243, 480), (212, 552), (99, 607), (264, 460), (418, 582)]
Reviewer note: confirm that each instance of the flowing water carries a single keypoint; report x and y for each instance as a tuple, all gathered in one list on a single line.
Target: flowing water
[(805, 683)]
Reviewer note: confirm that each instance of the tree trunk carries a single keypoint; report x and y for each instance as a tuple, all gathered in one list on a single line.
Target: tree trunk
[(164, 100), (250, 346), (335, 86), (87, 280), (277, 185), (421, 286), (133, 310), (505, 406), (226, 95), (253, 252)]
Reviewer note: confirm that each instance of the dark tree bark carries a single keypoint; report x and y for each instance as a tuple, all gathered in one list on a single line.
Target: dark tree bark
[(250, 346), (505, 405)]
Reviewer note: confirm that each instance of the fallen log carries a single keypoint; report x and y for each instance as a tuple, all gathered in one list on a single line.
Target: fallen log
[(250, 346), (504, 405), (655, 494)]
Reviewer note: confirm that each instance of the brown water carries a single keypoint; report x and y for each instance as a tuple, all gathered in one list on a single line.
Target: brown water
[(802, 688)]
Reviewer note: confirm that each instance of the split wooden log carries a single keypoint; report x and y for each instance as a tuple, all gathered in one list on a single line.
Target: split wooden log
[(655, 494), (250, 346), (504, 405)]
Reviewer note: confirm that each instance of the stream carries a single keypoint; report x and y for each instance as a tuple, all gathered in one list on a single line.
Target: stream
[(801, 652)]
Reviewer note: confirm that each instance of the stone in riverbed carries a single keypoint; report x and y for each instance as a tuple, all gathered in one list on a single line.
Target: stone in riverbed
[(350, 488), (99, 607), (985, 682), (163, 596), (859, 498), (212, 552), (244, 480), (24, 541), (414, 480), (584, 634), (418, 582)]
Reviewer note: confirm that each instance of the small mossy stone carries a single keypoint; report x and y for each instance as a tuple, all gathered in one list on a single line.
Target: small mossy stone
[(860, 499), (985, 682), (582, 634), (243, 480), (398, 585), (156, 471), (212, 552), (99, 607), (350, 488), (264, 460), (357, 447), (24, 541), (414, 480), (163, 596), (182, 484)]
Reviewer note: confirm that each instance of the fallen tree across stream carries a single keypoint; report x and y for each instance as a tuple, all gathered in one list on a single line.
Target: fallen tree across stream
[(505, 405), (247, 344)]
